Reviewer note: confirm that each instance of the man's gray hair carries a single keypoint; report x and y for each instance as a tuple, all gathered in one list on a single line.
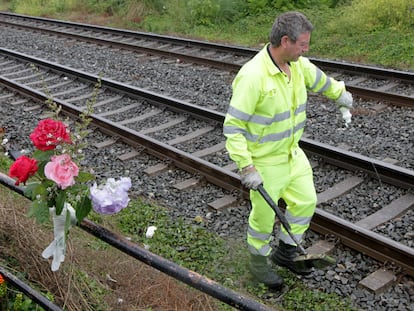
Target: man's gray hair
[(291, 24)]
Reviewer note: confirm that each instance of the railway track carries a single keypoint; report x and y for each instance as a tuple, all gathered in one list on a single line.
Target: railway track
[(186, 137), (367, 82), (335, 179)]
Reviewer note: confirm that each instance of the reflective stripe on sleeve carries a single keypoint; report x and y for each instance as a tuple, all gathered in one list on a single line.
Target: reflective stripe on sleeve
[(318, 78), (326, 86)]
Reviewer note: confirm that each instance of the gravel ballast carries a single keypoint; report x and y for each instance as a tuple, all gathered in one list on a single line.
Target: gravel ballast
[(380, 134)]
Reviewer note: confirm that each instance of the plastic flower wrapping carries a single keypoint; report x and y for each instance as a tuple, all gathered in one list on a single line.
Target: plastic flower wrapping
[(59, 188)]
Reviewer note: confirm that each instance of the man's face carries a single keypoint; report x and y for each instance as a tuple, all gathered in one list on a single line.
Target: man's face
[(296, 49)]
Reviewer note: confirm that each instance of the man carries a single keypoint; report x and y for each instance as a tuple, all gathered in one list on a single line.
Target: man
[(263, 126)]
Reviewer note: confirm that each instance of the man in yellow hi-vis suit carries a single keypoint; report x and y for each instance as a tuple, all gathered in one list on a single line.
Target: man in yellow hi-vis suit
[(263, 126)]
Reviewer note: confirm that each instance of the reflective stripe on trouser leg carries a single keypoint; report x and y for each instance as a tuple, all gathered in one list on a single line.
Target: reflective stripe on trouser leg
[(258, 243), (262, 216), (300, 197), (292, 181)]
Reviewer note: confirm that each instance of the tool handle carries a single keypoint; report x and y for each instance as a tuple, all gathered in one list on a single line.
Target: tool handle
[(274, 206), (280, 215)]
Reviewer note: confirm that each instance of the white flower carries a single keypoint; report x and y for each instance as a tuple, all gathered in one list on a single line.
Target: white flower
[(150, 231)]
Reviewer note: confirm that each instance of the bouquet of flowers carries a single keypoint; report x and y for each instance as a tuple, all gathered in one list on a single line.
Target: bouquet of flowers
[(59, 187)]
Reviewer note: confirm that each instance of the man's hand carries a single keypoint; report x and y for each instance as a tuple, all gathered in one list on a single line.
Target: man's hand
[(250, 178), (344, 103), (345, 100)]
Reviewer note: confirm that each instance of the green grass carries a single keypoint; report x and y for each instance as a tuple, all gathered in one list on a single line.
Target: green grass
[(191, 245), (362, 32), (225, 261), (366, 31)]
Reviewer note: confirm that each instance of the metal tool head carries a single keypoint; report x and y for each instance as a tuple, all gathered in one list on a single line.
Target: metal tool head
[(318, 261)]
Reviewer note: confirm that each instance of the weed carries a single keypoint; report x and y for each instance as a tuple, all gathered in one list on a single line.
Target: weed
[(187, 245), (299, 299), (341, 26)]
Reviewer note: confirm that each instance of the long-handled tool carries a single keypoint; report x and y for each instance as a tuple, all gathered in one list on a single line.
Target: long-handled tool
[(309, 260)]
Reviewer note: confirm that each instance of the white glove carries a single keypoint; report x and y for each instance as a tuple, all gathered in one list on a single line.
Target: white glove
[(344, 103), (250, 178), (57, 248), (345, 100), (346, 115)]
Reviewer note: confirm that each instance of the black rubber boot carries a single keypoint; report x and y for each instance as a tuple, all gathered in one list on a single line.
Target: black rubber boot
[(262, 272), (284, 255)]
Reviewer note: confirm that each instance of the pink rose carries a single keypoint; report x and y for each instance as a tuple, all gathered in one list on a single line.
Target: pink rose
[(62, 170), (22, 169), (49, 133)]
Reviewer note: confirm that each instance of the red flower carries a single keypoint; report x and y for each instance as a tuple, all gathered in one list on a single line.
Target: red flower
[(22, 169), (1, 279), (50, 133)]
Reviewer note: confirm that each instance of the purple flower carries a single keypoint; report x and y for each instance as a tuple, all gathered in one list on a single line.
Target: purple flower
[(111, 197)]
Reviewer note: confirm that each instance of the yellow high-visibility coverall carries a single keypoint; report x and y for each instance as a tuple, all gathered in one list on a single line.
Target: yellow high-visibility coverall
[(263, 126)]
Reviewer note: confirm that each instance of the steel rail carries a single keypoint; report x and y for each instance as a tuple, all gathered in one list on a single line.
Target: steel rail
[(368, 93), (230, 180), (407, 76), (364, 240), (390, 173), (378, 169), (135, 92), (150, 36), (384, 171), (358, 91), (131, 47), (168, 267), (181, 159), (37, 297)]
